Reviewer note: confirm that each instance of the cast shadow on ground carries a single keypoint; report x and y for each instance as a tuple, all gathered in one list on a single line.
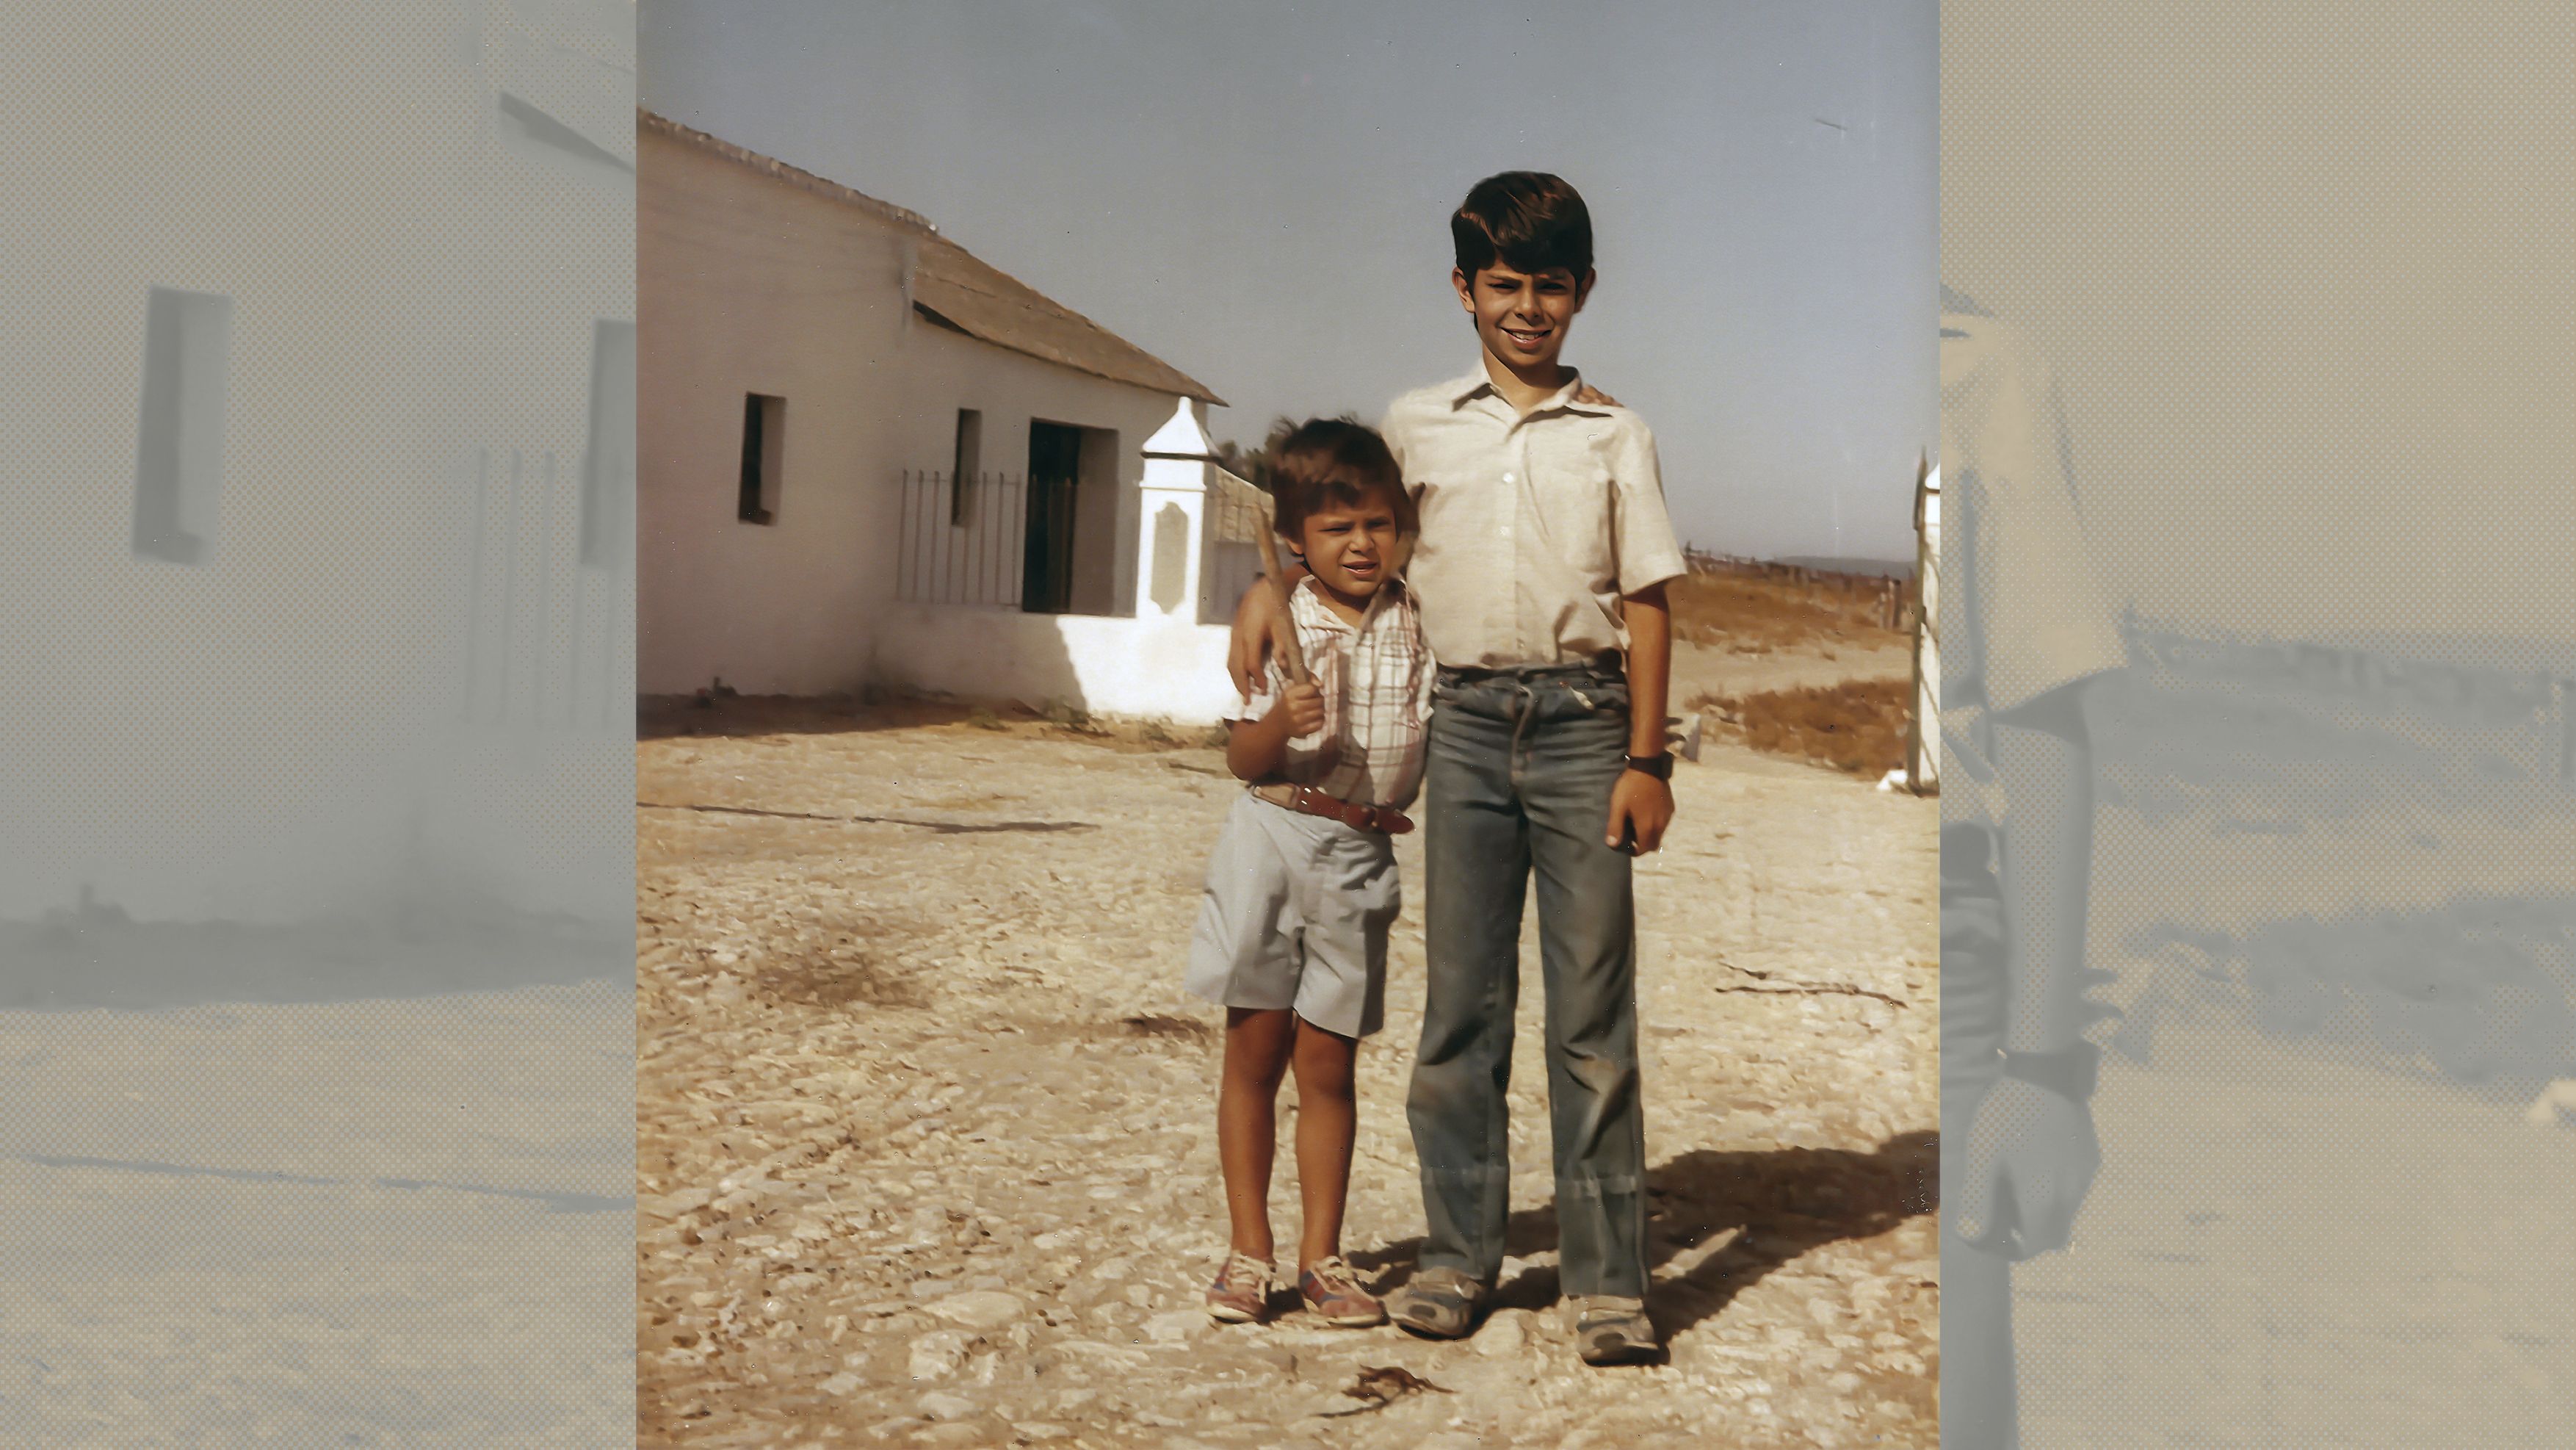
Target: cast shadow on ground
[(672, 717), (1780, 1203), (936, 828)]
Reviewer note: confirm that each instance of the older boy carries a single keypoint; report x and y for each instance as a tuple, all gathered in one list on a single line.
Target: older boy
[(2034, 632), (1542, 562)]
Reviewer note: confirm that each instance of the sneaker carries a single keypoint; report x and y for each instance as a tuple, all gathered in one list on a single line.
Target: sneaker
[(1331, 1289), (1439, 1303), (1609, 1329), (1241, 1293)]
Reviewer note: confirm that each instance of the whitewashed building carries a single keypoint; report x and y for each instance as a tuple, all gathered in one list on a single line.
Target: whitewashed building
[(866, 457), (319, 405)]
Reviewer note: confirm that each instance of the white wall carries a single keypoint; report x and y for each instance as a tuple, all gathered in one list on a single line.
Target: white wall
[(746, 286), (1173, 671), (950, 371), (408, 289), (749, 285)]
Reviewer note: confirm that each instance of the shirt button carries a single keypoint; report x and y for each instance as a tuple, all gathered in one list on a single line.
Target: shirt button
[(1507, 478)]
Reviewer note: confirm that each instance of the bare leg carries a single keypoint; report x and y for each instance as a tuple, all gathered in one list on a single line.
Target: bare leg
[(1257, 1045), (1327, 1124)]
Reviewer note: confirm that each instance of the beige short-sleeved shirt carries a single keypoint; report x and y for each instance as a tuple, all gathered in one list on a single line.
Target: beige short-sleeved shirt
[(2024, 611), (1533, 527)]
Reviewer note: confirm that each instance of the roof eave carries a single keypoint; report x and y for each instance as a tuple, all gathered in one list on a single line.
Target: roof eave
[(1189, 387)]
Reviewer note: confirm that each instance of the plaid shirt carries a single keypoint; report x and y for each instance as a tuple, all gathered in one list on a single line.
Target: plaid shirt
[(1376, 680)]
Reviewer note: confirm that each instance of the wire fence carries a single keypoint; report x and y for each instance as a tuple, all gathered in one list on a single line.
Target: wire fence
[(548, 634), (1888, 602), (968, 543), (972, 545)]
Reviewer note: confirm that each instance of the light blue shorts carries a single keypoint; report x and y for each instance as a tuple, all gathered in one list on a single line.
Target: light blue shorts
[(1296, 915)]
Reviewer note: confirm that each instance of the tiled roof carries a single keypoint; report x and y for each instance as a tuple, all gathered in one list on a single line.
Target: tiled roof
[(953, 289)]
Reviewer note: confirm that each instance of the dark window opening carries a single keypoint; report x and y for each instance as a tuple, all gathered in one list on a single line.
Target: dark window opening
[(969, 461), (1055, 463), (608, 468), (764, 440), (179, 448)]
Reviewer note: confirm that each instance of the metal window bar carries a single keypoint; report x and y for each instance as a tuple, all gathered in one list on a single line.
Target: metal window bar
[(542, 642), (977, 562)]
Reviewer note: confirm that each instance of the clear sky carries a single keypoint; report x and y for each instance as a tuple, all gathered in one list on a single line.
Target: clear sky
[(1259, 194)]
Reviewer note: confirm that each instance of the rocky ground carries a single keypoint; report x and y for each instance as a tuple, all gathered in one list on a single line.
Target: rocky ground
[(925, 1130)]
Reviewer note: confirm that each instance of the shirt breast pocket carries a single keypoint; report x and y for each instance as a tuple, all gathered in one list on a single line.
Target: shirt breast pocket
[(1392, 676), (1577, 501)]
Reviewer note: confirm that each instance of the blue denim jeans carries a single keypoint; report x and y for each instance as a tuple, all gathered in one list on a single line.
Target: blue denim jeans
[(1980, 1395), (1518, 780)]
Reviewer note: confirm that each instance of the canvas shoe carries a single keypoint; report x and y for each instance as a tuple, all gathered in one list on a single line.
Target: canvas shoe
[(1241, 1293), (1332, 1290)]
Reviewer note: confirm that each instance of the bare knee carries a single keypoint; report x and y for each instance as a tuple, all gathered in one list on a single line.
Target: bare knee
[(1325, 1064), (1258, 1044)]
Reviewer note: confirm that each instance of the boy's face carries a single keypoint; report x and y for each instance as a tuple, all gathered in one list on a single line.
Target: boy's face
[(1351, 548), (1521, 317)]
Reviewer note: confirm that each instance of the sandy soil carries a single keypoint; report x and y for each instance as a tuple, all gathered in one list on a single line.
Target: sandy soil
[(367, 1223), (2287, 1249), (925, 1128), (1709, 670), (2304, 1240)]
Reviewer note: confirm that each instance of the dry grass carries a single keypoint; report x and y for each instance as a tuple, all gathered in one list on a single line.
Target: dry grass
[(1857, 726), (1756, 613)]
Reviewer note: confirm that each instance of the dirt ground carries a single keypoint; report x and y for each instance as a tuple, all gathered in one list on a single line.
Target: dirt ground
[(925, 1127), (388, 1222)]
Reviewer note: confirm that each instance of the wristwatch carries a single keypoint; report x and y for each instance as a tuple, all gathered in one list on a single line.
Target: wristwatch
[(2070, 1074), (1660, 766)]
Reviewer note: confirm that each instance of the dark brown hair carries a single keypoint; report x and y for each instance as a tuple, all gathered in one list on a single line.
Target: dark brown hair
[(1527, 220), (1328, 461)]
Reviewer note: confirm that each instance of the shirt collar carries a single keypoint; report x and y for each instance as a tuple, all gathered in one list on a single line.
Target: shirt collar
[(1385, 597), (1480, 383)]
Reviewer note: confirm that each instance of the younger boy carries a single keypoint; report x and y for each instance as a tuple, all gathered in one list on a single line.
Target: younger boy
[(1540, 575), (1301, 890)]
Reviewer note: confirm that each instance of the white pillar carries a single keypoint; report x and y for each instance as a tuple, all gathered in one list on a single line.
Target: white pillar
[(1925, 764), (1173, 518)]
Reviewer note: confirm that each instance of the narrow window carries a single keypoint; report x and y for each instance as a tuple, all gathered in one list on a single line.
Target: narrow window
[(608, 469), (179, 452), (969, 461), (764, 440)]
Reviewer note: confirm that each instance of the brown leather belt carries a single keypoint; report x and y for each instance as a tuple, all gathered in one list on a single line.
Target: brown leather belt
[(1310, 801)]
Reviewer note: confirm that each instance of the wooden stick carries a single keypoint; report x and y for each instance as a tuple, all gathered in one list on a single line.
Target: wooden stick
[(1289, 653)]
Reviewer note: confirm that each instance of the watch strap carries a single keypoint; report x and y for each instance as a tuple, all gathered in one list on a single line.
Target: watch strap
[(1658, 766)]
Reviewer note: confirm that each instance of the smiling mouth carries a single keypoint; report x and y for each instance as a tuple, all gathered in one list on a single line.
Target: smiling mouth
[(1524, 338)]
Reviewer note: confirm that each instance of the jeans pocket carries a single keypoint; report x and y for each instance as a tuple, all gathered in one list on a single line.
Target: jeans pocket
[(1599, 699)]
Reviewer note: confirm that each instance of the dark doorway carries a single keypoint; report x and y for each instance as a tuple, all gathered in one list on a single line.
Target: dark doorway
[(1055, 461)]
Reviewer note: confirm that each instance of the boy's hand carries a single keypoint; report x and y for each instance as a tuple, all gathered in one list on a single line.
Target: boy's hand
[(1592, 397), (1303, 705), (1258, 625), (1642, 804), (2031, 1156)]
